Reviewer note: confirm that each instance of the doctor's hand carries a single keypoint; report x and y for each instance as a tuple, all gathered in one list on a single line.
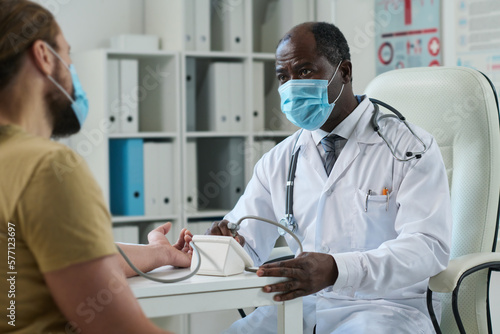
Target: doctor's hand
[(178, 254), (220, 228), (308, 273)]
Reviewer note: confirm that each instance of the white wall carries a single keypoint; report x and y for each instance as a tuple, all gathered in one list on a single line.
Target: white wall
[(88, 24)]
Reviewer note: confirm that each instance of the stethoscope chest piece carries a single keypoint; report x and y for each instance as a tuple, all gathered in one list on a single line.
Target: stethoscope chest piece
[(288, 222)]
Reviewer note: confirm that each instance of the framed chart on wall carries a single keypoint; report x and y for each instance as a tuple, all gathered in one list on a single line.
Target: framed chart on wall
[(408, 34)]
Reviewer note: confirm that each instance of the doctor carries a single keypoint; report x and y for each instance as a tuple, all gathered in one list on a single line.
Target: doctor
[(374, 229)]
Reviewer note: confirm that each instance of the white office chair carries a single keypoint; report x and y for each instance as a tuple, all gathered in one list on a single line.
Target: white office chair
[(458, 107)]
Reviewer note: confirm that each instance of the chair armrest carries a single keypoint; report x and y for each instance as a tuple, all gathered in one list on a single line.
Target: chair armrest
[(446, 281)]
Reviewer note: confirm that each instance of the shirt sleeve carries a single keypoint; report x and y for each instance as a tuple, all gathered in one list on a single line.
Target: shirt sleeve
[(422, 247), (63, 216)]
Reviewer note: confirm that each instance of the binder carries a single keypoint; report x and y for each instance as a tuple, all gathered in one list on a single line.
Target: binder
[(214, 98), (114, 101), (189, 25), (126, 234), (129, 82), (258, 96), (191, 94), (222, 178), (228, 25), (151, 175), (202, 25), (191, 183), (236, 97), (166, 178), (126, 171)]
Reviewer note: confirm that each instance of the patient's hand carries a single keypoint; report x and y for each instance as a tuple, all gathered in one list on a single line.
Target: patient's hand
[(179, 254)]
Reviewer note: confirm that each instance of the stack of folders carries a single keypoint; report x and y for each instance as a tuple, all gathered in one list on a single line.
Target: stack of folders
[(127, 234), (196, 25), (222, 94), (123, 81), (280, 16), (228, 23), (141, 177)]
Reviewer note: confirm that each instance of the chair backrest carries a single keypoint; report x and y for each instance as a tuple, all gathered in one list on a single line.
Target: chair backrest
[(457, 105)]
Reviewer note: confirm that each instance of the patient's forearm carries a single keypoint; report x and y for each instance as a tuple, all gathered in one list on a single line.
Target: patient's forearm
[(144, 257)]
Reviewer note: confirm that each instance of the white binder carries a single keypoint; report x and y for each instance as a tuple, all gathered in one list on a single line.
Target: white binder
[(191, 94), (258, 96), (114, 101), (236, 97), (214, 97), (189, 25), (166, 180), (202, 25), (191, 184), (228, 26), (151, 175), (129, 82), (126, 234)]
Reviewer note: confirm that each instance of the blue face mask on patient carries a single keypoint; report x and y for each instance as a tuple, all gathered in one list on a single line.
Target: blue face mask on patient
[(80, 103), (305, 101)]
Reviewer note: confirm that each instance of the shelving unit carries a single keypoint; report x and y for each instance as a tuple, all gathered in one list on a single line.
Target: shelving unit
[(211, 93)]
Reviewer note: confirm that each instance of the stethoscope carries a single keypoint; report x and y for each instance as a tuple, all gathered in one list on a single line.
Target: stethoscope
[(289, 220)]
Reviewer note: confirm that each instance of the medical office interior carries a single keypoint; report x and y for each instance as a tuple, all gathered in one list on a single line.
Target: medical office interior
[(197, 77)]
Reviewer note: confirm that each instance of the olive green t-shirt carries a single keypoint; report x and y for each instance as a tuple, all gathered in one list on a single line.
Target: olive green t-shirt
[(52, 215)]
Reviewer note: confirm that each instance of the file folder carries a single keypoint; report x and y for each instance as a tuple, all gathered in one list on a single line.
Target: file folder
[(151, 175), (126, 172), (166, 178), (189, 25), (191, 183), (191, 94), (129, 82), (202, 25), (126, 234), (258, 96), (114, 101), (214, 97), (228, 24), (236, 96)]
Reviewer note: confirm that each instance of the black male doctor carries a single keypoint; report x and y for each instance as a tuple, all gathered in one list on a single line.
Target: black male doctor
[(373, 228)]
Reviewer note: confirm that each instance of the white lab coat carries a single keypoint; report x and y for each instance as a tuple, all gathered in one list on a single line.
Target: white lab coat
[(384, 255)]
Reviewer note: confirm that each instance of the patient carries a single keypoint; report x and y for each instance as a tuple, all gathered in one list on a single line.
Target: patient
[(64, 273)]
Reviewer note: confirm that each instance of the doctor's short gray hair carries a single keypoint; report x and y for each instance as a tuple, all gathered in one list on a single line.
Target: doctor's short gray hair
[(330, 42)]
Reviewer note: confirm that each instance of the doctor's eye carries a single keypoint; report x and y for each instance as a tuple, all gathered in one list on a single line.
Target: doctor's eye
[(281, 77), (304, 72)]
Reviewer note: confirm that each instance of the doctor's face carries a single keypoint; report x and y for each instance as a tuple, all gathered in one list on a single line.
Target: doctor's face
[(297, 58)]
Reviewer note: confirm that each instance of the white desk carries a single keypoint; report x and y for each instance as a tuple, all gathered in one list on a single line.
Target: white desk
[(209, 293)]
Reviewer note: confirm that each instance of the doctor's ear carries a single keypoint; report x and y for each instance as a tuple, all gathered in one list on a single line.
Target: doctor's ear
[(345, 70)]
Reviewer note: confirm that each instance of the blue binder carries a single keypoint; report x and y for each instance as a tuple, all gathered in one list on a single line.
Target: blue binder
[(126, 176)]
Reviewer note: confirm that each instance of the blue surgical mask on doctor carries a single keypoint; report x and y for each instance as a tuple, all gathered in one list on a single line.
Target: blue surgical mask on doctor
[(80, 103), (305, 101)]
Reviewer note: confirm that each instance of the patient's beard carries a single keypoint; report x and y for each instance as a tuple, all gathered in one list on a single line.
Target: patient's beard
[(64, 121)]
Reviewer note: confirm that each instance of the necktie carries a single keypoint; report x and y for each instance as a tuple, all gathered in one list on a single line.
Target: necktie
[(330, 145)]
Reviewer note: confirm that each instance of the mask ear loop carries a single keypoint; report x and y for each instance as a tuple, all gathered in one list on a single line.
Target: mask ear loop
[(53, 80), (342, 89)]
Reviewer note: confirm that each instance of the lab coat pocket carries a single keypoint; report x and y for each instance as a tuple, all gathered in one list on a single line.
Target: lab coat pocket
[(373, 220)]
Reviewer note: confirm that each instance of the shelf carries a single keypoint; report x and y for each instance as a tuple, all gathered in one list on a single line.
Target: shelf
[(138, 219), (271, 133), (213, 134), (159, 135), (139, 54), (263, 56), (216, 54), (207, 214)]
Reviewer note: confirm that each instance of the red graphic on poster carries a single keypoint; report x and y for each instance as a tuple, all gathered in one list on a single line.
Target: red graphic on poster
[(434, 46), (435, 62), (386, 53)]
